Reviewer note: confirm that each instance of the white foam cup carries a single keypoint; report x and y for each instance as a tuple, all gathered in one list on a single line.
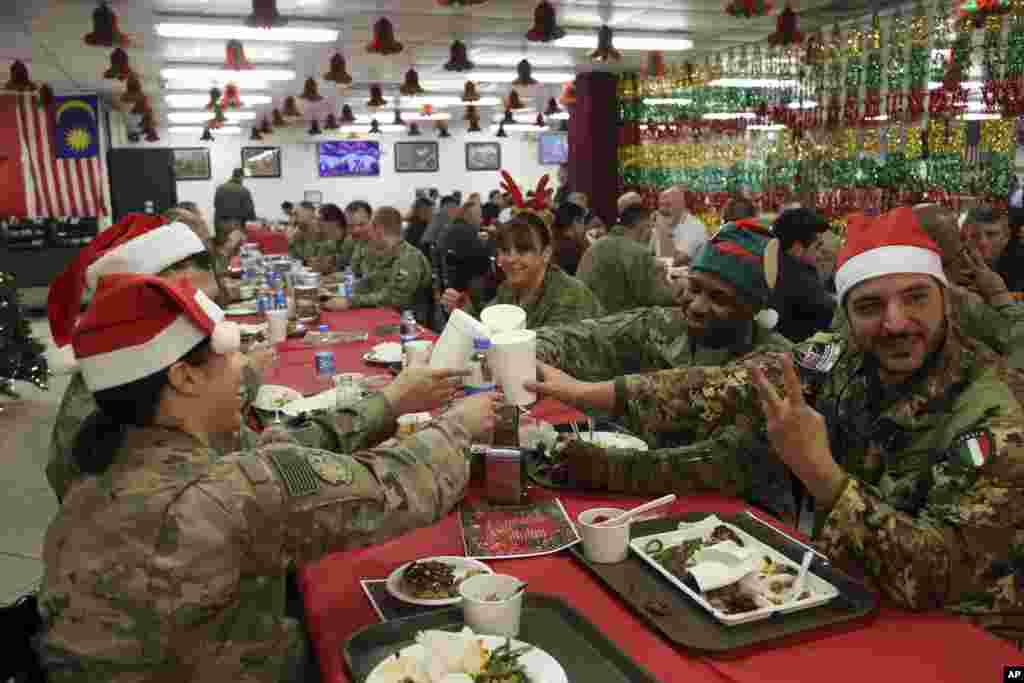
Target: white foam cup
[(453, 350), (514, 356), (277, 326), (503, 318)]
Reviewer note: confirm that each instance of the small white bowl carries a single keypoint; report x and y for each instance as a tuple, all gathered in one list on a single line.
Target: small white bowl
[(486, 615), (605, 544)]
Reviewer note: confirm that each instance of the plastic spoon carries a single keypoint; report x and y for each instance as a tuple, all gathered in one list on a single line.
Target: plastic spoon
[(798, 585), (638, 510)]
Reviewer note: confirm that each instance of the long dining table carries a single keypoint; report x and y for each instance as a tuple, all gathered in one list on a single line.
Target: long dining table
[(894, 645)]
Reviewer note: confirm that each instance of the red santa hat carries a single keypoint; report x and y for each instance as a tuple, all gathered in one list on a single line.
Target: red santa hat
[(138, 243), (894, 242), (138, 325)]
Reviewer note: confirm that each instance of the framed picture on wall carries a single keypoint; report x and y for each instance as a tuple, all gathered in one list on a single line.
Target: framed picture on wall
[(191, 163), (416, 157), (261, 162), (483, 156)]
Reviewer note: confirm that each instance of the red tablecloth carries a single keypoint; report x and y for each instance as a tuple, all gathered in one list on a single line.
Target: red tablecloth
[(270, 242)]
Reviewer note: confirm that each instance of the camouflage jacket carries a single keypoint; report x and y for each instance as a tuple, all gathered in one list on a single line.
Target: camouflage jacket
[(392, 279), (171, 564), (304, 248), (563, 299), (623, 274), (932, 510), (640, 340)]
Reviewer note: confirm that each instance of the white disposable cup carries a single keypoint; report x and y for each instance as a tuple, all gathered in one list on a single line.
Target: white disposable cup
[(453, 350), (514, 358), (503, 318), (277, 326), (417, 353), (603, 545), (492, 617)]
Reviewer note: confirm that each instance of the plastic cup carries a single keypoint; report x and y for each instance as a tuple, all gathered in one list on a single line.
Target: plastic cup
[(603, 545), (411, 423), (514, 356), (503, 318), (277, 326), (486, 607), (453, 350), (417, 353)]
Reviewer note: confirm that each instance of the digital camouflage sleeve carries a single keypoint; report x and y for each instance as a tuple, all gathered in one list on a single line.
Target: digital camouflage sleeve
[(393, 280)]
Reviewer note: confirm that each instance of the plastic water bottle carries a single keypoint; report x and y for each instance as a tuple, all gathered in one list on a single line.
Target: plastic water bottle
[(481, 379), (324, 334), (349, 282), (408, 330), (280, 298)]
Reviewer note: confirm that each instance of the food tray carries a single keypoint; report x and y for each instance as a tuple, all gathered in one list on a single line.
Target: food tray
[(821, 591), (686, 623), (548, 622)]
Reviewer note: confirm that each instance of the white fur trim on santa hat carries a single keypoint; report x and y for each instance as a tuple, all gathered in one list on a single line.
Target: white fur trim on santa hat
[(125, 365), (147, 254), (887, 260), (226, 338)]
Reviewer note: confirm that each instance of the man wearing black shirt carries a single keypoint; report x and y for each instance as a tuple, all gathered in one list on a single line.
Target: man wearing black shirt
[(803, 305)]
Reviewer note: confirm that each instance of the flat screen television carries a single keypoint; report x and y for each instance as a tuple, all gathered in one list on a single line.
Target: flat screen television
[(554, 148), (349, 158)]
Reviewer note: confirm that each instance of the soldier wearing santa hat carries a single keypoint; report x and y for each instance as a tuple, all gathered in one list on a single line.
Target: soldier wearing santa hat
[(168, 562)]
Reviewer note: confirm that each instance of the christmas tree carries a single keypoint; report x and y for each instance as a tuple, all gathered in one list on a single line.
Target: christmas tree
[(21, 356)]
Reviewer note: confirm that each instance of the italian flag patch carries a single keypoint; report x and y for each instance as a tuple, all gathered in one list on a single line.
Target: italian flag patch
[(974, 448)]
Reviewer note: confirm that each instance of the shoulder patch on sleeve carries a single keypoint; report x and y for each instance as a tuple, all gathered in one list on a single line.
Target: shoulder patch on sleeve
[(818, 356), (295, 470), (254, 468), (973, 448), (333, 469)]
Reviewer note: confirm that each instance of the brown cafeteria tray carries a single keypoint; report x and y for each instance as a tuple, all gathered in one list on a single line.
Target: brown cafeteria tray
[(685, 623)]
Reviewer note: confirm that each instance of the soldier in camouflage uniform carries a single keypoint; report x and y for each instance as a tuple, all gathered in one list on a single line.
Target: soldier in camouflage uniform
[(167, 562), (913, 450), (392, 272), (622, 271)]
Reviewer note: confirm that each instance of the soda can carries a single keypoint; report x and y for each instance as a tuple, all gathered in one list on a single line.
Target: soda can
[(325, 363), (263, 303), (280, 300)]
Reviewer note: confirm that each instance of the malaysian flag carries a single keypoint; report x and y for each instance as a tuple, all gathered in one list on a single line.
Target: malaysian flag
[(62, 167)]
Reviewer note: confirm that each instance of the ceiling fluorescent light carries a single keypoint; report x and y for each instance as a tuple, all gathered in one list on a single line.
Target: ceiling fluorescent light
[(802, 105), (880, 117), (627, 41), (521, 116), (184, 101), (519, 128), (226, 130), (729, 116), (420, 116), (981, 116), (204, 85), (667, 100), (509, 76), (214, 31), (771, 127), (966, 85), (446, 101), (749, 82), (203, 116), (223, 75), (560, 116)]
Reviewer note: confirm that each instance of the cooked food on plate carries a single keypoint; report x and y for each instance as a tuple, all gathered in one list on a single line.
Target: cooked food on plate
[(433, 580), (444, 657), (734, 599), (723, 533)]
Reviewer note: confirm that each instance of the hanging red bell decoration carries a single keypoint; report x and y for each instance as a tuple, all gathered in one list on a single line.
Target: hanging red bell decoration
[(427, 109), (470, 113), (501, 131), (151, 135), (265, 15), (524, 73), (469, 93), (786, 31), (374, 127), (207, 136), (442, 129), (218, 116), (311, 91), (376, 97), (414, 129), (133, 90), (458, 58), (234, 56), (474, 126), (265, 128), (149, 126), (545, 27), (19, 78), (120, 69), (105, 31), (605, 51), (509, 118), (384, 42), (338, 72), (314, 127), (411, 86), (814, 52), (46, 96), (539, 121), (513, 102), (215, 96), (568, 96), (291, 108), (346, 115), (255, 135), (278, 119), (552, 108), (231, 99), (655, 64)]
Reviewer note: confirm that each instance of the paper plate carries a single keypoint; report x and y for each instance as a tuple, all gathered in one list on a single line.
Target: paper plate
[(271, 397), (461, 565), (387, 352), (538, 664), (325, 400), (614, 440)]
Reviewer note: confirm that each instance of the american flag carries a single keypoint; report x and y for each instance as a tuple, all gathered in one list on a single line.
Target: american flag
[(56, 187)]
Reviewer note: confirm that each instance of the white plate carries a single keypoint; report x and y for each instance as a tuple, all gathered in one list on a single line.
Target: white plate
[(540, 667), (241, 309), (325, 400), (821, 591), (614, 440), (388, 352), (275, 397), (461, 565)]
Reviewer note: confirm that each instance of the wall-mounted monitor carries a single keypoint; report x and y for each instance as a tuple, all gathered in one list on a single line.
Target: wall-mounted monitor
[(554, 148), (344, 158)]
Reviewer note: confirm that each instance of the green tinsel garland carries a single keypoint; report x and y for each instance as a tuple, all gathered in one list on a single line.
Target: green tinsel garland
[(1015, 51), (918, 68)]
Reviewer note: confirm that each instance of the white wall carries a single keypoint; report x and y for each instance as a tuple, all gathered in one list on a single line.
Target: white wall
[(299, 170)]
